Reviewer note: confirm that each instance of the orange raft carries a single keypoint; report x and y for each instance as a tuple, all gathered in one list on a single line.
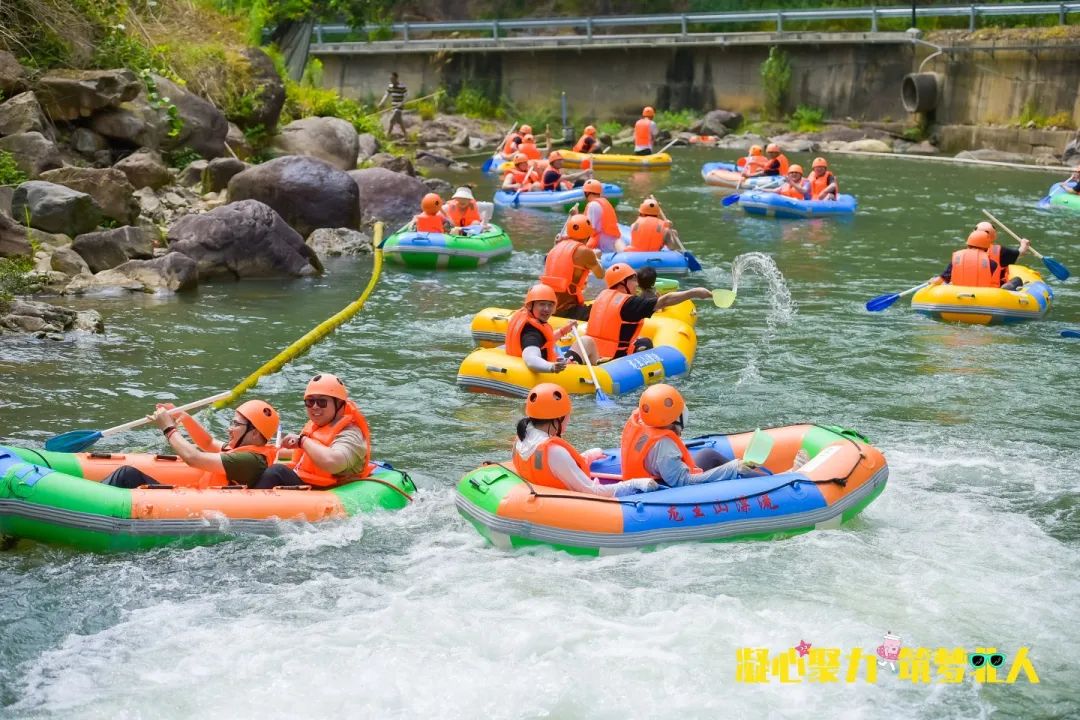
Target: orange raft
[(844, 475)]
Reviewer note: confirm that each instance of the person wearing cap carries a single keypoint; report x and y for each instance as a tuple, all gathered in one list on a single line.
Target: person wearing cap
[(240, 460), (649, 233), (587, 143), (522, 176), (567, 267), (1072, 184), (823, 185), (793, 185), (777, 163), (462, 211), (618, 312), (542, 457), (652, 445), (645, 131), (513, 140), (755, 162), (431, 220), (602, 218), (555, 179), (334, 446), (530, 336), (983, 263)]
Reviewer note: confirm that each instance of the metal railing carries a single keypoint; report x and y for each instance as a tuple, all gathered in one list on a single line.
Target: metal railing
[(584, 27)]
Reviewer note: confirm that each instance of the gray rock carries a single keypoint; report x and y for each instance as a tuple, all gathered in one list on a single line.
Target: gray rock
[(219, 172), (12, 74), (438, 185), (145, 168), (720, 122), (191, 175), (477, 143), (329, 139), (6, 192), (392, 163), (32, 316), (71, 94), (1071, 156), (430, 159), (368, 145), (33, 152), (828, 146), (266, 109), (868, 145), (740, 142), (133, 124), (22, 114), (173, 272), (794, 143), (306, 192), (205, 127), (339, 241), (391, 197), (68, 261), (136, 243), (243, 239), (55, 208), (13, 240), (100, 250), (108, 186), (921, 148), (987, 154), (238, 143), (150, 205), (87, 142)]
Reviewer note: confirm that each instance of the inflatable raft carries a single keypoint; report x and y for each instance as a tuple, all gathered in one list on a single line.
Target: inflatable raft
[(57, 498), (612, 161), (987, 306), (767, 204), (665, 262), (1057, 197), (552, 199), (491, 370), (728, 175), (844, 475), (441, 250)]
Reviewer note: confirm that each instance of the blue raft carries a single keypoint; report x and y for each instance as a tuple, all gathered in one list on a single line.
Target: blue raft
[(551, 199), (730, 175), (665, 262), (780, 206)]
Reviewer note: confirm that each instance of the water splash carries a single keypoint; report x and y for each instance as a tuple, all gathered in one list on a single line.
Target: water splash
[(782, 309)]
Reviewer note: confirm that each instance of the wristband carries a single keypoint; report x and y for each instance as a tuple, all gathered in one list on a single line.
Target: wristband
[(169, 430), (300, 440)]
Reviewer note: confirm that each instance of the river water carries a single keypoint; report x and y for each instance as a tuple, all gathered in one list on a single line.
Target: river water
[(973, 544)]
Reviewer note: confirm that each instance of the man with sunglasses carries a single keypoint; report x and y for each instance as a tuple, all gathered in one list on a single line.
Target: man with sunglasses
[(240, 460), (333, 448)]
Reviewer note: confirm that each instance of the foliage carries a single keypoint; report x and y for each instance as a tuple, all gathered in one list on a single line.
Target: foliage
[(675, 119), (1030, 115), (807, 119), (427, 108), (776, 78), (10, 174), (14, 277), (610, 127), (304, 101), (473, 103), (182, 157), (267, 14), (158, 102)]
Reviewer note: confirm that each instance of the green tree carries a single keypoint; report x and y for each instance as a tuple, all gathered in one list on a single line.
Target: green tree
[(776, 77)]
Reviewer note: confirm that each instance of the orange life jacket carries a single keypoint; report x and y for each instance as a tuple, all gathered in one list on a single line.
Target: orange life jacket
[(818, 184), (755, 164), (609, 221), (605, 324), (537, 470), (579, 146), (643, 133), (217, 478), (531, 151), (971, 267), (784, 164), (511, 146), (314, 475), (518, 322), (429, 223), (791, 192), (647, 234), (561, 274), (638, 439), (462, 218), (519, 177)]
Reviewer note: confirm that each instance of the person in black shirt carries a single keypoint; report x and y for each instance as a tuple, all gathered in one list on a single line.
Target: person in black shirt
[(1001, 257), (1072, 185)]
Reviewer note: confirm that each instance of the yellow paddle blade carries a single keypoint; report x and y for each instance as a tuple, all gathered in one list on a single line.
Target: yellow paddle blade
[(723, 298)]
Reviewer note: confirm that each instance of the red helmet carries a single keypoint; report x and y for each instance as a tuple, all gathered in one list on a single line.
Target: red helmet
[(327, 384), (979, 239), (547, 401), (578, 227), (649, 207), (431, 203), (617, 273), (262, 417), (661, 405), (592, 187), (540, 293)]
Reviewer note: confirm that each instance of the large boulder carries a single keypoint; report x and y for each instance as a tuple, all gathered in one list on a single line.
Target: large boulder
[(172, 272), (68, 261), (368, 144), (6, 192), (22, 114), (330, 139), (145, 168), (720, 122), (220, 171), (71, 94), (133, 124), (986, 154), (391, 197), (55, 208), (1071, 156), (243, 239), (12, 74), (47, 320), (108, 186), (266, 108), (87, 142), (238, 143), (308, 193), (13, 240), (740, 142), (393, 163), (339, 241), (205, 127), (868, 145), (192, 175), (108, 248), (33, 152)]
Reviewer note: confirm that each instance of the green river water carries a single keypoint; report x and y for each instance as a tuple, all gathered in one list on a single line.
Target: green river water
[(973, 543)]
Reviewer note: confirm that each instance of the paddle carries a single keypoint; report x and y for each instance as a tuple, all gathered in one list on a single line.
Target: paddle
[(1071, 334), (666, 146), (730, 200), (601, 399), (723, 298), (881, 302), (514, 200), (691, 261), (1056, 269), (78, 440), (486, 167), (757, 452), (1053, 188)]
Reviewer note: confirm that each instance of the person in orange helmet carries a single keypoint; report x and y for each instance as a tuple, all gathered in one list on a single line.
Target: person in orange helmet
[(823, 184), (333, 448), (649, 233), (240, 460), (555, 179), (530, 336), (587, 143), (794, 186), (777, 164), (567, 268), (645, 131), (602, 218), (755, 162), (522, 176), (542, 457), (431, 219), (652, 445), (1072, 184), (983, 263), (529, 148)]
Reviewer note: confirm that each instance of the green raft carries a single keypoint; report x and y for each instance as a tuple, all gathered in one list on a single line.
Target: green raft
[(436, 251), (44, 497)]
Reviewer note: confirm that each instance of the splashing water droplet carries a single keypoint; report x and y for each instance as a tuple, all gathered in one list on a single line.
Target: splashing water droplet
[(782, 308)]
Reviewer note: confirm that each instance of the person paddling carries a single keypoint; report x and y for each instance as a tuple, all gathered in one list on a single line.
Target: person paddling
[(602, 218), (983, 263), (587, 143), (521, 176), (777, 163), (793, 186), (531, 337), (555, 179), (1072, 184), (823, 184), (755, 162), (567, 268), (648, 233)]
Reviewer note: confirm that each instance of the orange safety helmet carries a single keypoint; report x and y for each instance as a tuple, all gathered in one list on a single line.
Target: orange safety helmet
[(431, 203), (989, 229), (526, 129), (547, 401), (578, 227), (648, 112), (590, 130), (328, 385), (554, 155), (649, 207), (819, 162), (519, 158), (772, 147), (755, 150), (262, 417), (592, 187), (979, 239), (795, 168), (661, 405), (528, 138), (618, 273), (540, 293)]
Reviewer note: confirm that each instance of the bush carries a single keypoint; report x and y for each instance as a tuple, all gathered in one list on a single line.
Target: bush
[(10, 174), (1031, 115), (675, 119), (807, 119), (473, 103), (776, 77), (14, 279), (610, 127)]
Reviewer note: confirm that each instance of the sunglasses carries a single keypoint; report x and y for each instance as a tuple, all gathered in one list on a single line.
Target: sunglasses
[(317, 402), (978, 660)]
